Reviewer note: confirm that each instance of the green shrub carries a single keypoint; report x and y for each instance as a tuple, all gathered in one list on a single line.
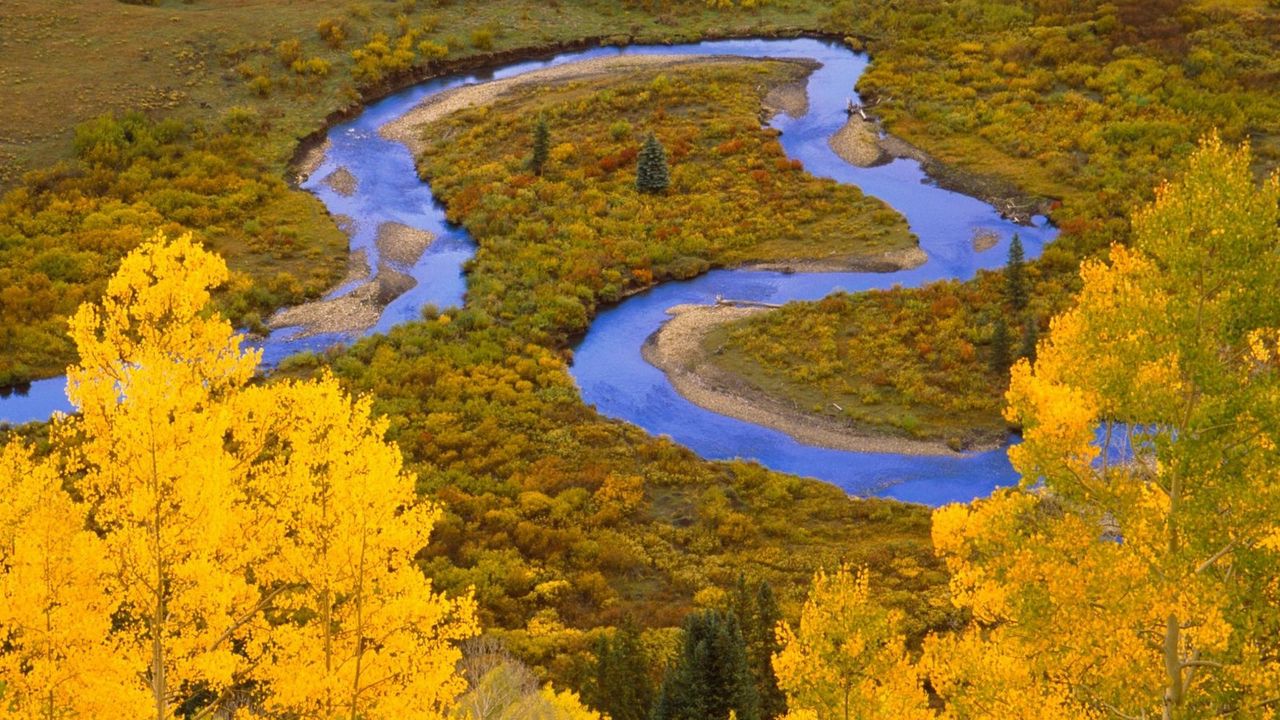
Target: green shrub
[(482, 39), (620, 130), (289, 52), (333, 31)]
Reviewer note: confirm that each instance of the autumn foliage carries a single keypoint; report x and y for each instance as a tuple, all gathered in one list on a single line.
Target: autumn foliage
[(847, 656), (1138, 581), (65, 231), (195, 545), (553, 246)]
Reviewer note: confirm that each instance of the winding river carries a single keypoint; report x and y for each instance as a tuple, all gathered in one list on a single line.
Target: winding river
[(608, 366)]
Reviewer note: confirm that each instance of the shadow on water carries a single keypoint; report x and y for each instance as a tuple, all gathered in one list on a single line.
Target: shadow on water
[(608, 367)]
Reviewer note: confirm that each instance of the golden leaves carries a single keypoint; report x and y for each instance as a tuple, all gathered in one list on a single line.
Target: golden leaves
[(242, 536), (847, 653), (54, 614), (1114, 585)]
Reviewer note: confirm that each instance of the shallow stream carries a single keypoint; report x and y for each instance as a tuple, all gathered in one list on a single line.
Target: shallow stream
[(608, 366)]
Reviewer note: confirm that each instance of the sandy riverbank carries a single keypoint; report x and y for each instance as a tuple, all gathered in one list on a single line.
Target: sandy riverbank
[(676, 349), (407, 128), (792, 99), (858, 143), (887, 261), (402, 244), (353, 312), (359, 309), (350, 313)]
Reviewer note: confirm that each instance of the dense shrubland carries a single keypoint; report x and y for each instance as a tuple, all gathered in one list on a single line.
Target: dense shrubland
[(554, 245), (860, 359), (869, 363), (565, 522), (62, 233), (139, 582), (1088, 103)]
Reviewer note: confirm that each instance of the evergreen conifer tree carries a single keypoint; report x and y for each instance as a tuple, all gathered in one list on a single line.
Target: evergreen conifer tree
[(1030, 335), (711, 676), (1015, 276), (758, 616), (1000, 347), (652, 175), (620, 686), (541, 146)]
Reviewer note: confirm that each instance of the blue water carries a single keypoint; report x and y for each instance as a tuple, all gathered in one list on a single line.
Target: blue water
[(608, 367)]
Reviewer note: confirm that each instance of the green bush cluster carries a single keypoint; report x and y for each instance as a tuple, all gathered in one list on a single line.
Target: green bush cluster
[(64, 230)]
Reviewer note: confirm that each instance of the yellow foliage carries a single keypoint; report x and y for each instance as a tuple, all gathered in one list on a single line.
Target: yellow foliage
[(240, 534), (846, 659), (566, 705), (54, 614), (1137, 583)]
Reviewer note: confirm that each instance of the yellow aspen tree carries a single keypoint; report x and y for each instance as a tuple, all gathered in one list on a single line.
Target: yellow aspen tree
[(55, 608), (156, 370), (547, 703), (1142, 585), (362, 634), (566, 705), (251, 548), (846, 660), (1009, 685)]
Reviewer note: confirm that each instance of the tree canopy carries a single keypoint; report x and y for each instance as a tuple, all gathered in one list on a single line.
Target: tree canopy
[(1132, 572), (194, 544)]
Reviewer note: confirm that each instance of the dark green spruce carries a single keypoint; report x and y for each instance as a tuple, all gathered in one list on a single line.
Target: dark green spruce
[(652, 175), (541, 146), (620, 685), (711, 675), (1001, 345), (758, 616), (1015, 276), (1030, 335)]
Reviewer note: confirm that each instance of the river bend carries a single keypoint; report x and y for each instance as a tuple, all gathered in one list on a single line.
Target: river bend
[(608, 366)]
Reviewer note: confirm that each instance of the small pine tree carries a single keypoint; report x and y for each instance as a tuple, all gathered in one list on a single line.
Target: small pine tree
[(652, 175), (541, 146), (758, 615), (711, 677), (1015, 276), (1030, 335), (620, 686), (1000, 347)]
